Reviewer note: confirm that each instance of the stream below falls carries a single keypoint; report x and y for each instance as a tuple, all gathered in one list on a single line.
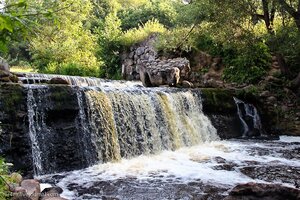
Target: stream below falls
[(206, 171)]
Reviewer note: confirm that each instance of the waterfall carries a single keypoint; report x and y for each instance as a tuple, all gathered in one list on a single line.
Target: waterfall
[(249, 118), (110, 121), (36, 121)]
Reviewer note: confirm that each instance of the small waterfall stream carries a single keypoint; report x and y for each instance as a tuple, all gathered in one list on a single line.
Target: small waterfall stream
[(249, 118)]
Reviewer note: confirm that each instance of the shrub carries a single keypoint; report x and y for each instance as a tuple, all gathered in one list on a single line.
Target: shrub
[(3, 173), (139, 34), (286, 42), (109, 47), (73, 69), (248, 65), (138, 14)]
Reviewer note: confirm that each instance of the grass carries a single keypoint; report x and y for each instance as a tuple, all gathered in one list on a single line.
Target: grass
[(23, 69)]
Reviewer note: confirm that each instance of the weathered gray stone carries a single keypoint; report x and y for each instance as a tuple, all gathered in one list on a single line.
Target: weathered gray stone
[(265, 93), (262, 191), (16, 177), (155, 76), (187, 84), (52, 193), (128, 62), (32, 188), (4, 65), (271, 99), (131, 54), (140, 51)]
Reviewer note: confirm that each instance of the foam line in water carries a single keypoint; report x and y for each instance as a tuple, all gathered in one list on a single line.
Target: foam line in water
[(289, 139)]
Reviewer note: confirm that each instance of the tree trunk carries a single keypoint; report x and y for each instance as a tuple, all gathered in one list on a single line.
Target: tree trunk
[(297, 21), (296, 82), (282, 64)]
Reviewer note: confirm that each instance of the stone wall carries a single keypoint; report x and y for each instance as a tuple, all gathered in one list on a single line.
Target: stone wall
[(136, 55), (142, 63)]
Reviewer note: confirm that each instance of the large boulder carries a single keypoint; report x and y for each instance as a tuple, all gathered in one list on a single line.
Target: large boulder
[(4, 66), (152, 76), (32, 188), (52, 193), (262, 191), (5, 74), (163, 72)]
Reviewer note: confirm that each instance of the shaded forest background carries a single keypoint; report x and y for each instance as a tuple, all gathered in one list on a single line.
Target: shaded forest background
[(86, 37)]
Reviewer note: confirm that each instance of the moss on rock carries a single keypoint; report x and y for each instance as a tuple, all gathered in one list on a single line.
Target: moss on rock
[(218, 100), (11, 96)]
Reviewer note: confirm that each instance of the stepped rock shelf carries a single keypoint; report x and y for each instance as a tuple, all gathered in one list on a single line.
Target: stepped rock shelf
[(94, 120)]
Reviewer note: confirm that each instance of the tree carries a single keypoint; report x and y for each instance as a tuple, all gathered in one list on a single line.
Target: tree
[(65, 39), (13, 22), (293, 9)]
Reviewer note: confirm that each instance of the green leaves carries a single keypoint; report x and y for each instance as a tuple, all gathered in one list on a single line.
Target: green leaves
[(6, 23)]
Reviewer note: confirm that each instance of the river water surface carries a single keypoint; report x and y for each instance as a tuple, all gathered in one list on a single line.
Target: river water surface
[(206, 171)]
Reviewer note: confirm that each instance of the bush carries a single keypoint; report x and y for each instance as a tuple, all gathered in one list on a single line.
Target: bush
[(248, 65), (73, 69), (286, 42), (136, 16), (3, 173), (109, 47), (141, 33)]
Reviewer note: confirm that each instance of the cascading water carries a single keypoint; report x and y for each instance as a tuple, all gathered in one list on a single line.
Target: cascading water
[(36, 124), (80, 130), (117, 120), (249, 118)]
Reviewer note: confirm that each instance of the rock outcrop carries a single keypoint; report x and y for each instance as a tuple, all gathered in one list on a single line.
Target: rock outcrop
[(262, 191), (142, 63), (5, 74), (163, 72)]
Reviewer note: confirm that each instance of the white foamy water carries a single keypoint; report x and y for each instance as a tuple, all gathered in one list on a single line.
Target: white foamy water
[(289, 139), (199, 163)]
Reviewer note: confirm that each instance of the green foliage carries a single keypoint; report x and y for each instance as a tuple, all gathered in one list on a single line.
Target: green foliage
[(170, 40), (109, 46), (139, 13), (4, 192), (249, 65), (12, 25), (74, 69), (286, 41), (67, 43), (141, 33)]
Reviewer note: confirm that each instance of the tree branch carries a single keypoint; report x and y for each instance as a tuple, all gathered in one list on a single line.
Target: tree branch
[(288, 8)]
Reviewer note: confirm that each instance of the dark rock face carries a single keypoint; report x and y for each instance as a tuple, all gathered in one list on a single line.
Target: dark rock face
[(15, 144), (58, 120), (57, 112), (220, 107), (251, 191)]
